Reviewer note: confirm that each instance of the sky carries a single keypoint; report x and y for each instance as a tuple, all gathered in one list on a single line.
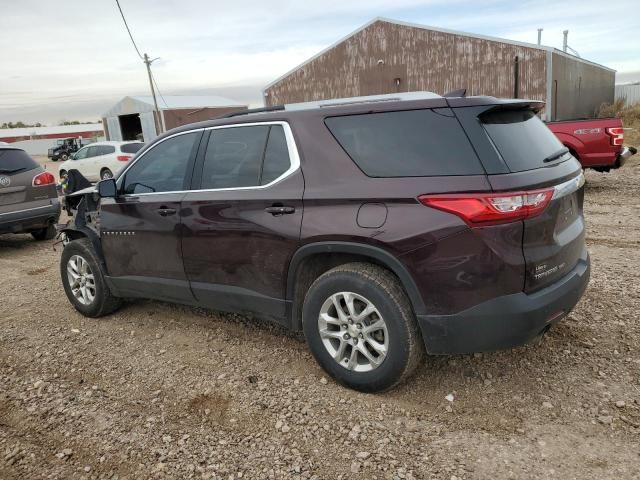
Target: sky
[(73, 60)]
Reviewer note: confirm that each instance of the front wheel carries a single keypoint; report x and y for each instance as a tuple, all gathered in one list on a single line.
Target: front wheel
[(83, 280), (360, 327)]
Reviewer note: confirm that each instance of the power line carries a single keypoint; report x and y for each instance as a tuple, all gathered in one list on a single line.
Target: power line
[(129, 31), (153, 77)]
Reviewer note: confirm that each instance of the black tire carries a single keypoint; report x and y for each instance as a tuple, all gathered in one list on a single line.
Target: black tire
[(105, 173), (379, 286), (64, 157), (47, 233), (63, 173), (104, 302), (54, 159)]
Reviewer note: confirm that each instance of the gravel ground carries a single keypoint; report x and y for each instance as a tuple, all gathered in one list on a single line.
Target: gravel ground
[(162, 391)]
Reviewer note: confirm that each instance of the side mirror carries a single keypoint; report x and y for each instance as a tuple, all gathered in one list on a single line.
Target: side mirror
[(107, 188)]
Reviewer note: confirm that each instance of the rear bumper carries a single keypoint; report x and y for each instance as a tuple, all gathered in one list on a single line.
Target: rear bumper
[(506, 321), (625, 154), (30, 219)]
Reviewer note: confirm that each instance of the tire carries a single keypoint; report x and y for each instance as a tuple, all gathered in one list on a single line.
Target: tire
[(62, 174), (105, 173), (64, 157), (366, 285), (102, 302), (47, 233), (54, 159)]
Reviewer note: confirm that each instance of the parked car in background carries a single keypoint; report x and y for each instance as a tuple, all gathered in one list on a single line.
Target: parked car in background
[(28, 198), (64, 148), (597, 143), (379, 226), (101, 160)]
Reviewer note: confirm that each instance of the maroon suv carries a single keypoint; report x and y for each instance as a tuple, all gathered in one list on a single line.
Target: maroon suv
[(380, 226)]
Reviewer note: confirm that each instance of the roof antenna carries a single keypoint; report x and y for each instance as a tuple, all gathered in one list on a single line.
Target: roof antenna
[(461, 92)]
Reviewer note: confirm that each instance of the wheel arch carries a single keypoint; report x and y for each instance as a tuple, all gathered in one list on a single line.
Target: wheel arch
[(336, 253), (75, 232)]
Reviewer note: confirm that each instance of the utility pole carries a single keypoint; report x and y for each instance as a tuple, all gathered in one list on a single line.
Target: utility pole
[(156, 118)]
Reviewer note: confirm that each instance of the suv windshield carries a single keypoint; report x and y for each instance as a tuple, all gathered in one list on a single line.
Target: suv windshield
[(522, 139), (15, 161)]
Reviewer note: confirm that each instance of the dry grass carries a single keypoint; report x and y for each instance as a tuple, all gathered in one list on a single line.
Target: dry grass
[(630, 115)]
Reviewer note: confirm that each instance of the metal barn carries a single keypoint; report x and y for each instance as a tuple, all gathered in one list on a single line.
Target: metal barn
[(134, 118), (387, 56)]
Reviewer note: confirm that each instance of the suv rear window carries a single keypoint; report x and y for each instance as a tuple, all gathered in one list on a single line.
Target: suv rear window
[(411, 143), (15, 161), (522, 139), (131, 147)]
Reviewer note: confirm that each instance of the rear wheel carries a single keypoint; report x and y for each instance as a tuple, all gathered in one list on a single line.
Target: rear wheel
[(106, 174), (47, 233), (360, 327), (83, 280), (64, 156)]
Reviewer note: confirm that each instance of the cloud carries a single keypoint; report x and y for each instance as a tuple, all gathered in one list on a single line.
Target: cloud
[(64, 62)]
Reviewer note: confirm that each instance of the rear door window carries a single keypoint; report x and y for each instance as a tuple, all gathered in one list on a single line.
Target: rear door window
[(411, 143), (234, 157), (13, 162), (276, 156), (522, 139)]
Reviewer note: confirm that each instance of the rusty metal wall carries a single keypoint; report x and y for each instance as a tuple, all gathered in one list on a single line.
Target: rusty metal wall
[(578, 89), (183, 116), (414, 59)]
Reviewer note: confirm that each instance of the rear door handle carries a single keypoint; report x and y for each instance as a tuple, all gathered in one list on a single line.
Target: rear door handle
[(164, 212), (276, 210)]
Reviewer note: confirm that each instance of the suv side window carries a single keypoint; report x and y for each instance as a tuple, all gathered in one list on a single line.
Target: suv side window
[(410, 143), (163, 168), (234, 157), (106, 149)]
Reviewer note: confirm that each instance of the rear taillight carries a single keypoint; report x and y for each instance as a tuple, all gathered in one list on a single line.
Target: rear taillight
[(491, 208), (617, 135), (124, 158), (42, 179)]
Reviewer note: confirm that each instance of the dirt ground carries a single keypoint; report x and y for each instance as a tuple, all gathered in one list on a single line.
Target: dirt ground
[(162, 391)]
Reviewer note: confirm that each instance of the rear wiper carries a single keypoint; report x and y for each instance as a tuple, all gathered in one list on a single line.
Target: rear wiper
[(558, 154), (15, 170)]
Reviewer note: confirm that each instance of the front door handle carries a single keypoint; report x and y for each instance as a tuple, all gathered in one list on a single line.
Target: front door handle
[(277, 210), (165, 212)]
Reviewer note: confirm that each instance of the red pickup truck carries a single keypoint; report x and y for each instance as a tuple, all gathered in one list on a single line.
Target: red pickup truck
[(596, 143)]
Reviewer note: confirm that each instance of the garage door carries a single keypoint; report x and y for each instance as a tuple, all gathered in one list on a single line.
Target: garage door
[(148, 126)]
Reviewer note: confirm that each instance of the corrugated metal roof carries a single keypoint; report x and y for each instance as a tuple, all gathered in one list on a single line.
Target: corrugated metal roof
[(189, 101), (144, 103), (435, 29), (33, 131)]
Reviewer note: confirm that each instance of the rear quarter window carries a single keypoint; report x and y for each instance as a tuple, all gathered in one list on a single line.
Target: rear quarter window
[(15, 161), (131, 147), (521, 138), (412, 143)]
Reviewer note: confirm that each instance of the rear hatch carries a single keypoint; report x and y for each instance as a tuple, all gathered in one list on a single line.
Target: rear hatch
[(17, 189), (537, 164)]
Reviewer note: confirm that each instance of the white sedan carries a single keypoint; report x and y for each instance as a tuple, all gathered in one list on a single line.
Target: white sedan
[(100, 160)]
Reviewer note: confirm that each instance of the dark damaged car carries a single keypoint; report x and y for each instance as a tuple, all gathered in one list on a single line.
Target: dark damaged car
[(382, 227)]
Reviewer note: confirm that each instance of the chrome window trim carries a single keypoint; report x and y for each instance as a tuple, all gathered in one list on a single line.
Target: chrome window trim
[(568, 187), (294, 159)]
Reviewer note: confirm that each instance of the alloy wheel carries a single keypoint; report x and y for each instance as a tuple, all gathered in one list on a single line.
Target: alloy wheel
[(81, 280), (353, 331)]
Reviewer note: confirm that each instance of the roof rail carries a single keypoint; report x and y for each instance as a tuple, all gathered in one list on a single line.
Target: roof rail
[(338, 102), (249, 111)]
